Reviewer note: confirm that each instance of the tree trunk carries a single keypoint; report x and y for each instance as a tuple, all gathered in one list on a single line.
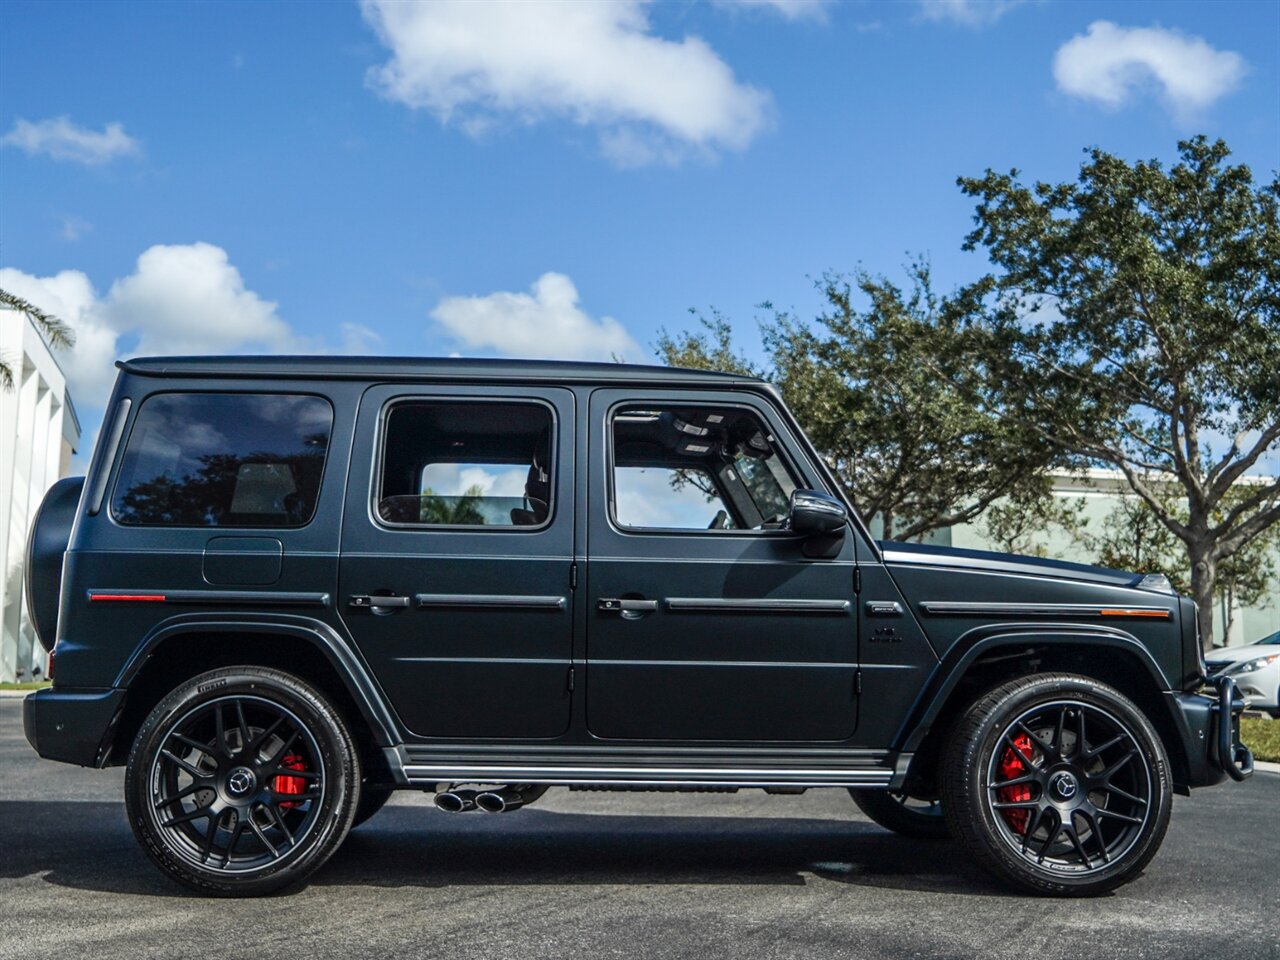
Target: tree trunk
[(1203, 573)]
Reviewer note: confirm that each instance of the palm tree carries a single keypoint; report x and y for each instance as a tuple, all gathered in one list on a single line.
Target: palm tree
[(55, 331)]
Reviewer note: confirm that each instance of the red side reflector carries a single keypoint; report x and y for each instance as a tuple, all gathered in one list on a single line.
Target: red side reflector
[(126, 598), (1118, 612)]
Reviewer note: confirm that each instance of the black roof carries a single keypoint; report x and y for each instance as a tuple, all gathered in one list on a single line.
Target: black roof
[(421, 368)]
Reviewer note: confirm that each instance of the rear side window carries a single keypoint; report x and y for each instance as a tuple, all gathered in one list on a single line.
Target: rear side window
[(224, 460), (466, 464)]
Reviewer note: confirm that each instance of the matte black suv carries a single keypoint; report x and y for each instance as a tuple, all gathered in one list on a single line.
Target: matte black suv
[(290, 586)]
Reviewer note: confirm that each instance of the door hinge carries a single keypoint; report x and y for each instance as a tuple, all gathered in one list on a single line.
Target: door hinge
[(571, 679), (857, 683), (857, 579), (573, 576)]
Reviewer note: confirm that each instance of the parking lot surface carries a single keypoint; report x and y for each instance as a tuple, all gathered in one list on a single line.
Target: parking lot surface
[(604, 875)]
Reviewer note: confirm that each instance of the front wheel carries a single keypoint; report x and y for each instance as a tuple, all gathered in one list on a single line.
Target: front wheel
[(1058, 784), (241, 781), (903, 814)]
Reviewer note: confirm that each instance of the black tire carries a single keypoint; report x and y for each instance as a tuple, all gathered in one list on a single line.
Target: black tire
[(908, 816), (372, 799), (1039, 810), (242, 781)]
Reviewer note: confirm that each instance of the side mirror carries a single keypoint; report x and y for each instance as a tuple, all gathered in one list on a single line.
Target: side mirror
[(816, 514)]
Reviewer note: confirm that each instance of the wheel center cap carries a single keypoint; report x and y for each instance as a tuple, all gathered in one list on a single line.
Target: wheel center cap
[(1064, 786), (240, 781)]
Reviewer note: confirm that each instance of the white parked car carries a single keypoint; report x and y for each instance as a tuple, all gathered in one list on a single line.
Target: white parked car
[(1255, 667)]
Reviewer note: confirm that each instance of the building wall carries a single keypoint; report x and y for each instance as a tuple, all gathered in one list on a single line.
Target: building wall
[(1101, 491), (38, 434)]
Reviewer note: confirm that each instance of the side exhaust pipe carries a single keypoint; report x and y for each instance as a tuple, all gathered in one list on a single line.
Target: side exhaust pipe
[(508, 798), (456, 801)]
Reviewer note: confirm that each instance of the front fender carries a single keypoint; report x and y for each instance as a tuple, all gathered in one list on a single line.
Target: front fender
[(982, 641)]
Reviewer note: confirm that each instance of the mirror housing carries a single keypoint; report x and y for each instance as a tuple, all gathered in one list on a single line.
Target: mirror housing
[(817, 514)]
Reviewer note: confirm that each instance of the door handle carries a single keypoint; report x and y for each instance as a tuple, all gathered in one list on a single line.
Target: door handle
[(613, 605), (367, 602)]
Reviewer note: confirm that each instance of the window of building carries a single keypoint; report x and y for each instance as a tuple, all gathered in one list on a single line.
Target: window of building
[(224, 460), (698, 468), (466, 464)]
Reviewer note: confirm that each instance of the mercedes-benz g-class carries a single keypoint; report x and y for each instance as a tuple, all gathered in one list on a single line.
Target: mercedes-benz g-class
[(290, 586)]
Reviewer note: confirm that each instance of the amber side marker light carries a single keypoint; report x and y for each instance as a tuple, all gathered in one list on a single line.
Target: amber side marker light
[(1124, 612)]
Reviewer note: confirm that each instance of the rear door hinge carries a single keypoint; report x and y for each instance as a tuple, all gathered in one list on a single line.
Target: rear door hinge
[(857, 683), (571, 679), (573, 576), (857, 579)]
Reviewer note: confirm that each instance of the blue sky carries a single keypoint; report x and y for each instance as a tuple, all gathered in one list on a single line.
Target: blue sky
[(553, 179)]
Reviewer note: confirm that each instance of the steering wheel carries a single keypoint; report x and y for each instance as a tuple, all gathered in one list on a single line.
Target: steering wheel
[(720, 521)]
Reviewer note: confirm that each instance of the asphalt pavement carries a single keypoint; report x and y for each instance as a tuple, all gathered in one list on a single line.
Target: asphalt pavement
[(603, 875)]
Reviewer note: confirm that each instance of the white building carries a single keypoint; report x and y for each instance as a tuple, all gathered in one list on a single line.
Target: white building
[(39, 434)]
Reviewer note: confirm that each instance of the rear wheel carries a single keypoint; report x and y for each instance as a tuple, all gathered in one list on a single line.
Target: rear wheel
[(242, 781), (1058, 784), (909, 816)]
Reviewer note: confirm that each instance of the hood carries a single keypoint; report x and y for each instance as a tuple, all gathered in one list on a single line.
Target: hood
[(929, 555)]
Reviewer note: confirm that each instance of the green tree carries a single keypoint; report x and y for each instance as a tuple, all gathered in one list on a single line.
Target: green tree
[(891, 386), (54, 330), (1141, 311), (1019, 523)]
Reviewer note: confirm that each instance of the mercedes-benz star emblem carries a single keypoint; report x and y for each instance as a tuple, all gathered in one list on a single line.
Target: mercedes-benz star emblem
[(1064, 785), (240, 782)]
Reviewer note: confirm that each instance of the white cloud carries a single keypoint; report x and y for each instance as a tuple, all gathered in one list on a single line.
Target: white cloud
[(1111, 64), (787, 9), (969, 13), (544, 324), (189, 299), (182, 299), (61, 139), (594, 63)]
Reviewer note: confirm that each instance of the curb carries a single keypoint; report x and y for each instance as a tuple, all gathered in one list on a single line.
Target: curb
[(14, 694), (1265, 767)]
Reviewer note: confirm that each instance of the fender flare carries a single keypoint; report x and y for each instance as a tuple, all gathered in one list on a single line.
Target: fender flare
[(349, 666), (980, 641)]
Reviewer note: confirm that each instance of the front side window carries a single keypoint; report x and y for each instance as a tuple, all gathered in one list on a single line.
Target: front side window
[(224, 460), (466, 464), (697, 468)]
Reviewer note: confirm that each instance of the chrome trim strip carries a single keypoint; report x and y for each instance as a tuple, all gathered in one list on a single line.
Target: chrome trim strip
[(669, 776), (963, 609), (488, 601), (715, 605)]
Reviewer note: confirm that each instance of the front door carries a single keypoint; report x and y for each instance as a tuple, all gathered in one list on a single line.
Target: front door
[(707, 621), (456, 551)]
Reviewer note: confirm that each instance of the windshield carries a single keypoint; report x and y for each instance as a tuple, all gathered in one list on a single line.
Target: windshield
[(1272, 639)]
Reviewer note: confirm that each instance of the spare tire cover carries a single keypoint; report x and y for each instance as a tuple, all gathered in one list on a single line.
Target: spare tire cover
[(50, 534)]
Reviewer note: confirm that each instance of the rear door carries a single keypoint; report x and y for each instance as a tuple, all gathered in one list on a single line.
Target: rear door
[(456, 550), (708, 622)]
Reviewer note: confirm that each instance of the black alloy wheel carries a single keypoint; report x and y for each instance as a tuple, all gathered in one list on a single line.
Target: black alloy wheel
[(242, 781), (920, 818), (1058, 784)]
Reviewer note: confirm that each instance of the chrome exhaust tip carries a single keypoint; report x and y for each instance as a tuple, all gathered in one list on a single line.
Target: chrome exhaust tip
[(456, 801), (493, 802)]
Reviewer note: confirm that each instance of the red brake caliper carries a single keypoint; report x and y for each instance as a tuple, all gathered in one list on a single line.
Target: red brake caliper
[(1013, 764), (287, 785)]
